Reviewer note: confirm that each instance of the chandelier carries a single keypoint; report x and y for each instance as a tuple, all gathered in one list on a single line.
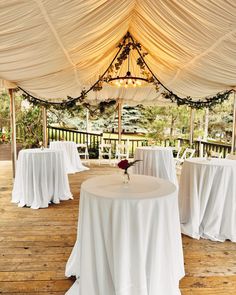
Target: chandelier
[(127, 68), (116, 75), (127, 81)]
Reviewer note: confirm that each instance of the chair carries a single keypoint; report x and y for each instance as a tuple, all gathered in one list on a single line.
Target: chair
[(188, 154), (178, 150), (214, 154), (231, 157), (83, 151), (104, 150), (122, 151)]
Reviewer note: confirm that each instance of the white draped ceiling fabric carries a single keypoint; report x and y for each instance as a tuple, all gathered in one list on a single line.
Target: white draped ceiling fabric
[(54, 49)]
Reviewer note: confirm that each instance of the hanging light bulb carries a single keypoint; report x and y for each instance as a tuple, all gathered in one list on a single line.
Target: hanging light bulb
[(129, 81), (139, 83)]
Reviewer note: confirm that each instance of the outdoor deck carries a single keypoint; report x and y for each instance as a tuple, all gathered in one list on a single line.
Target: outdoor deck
[(35, 245)]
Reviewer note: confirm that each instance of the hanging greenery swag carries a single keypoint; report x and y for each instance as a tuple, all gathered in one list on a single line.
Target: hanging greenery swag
[(124, 47)]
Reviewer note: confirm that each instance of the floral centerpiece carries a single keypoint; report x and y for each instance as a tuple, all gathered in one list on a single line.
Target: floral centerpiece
[(125, 164)]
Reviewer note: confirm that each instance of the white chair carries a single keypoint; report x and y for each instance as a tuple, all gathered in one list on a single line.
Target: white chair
[(214, 154), (188, 154), (83, 151), (122, 151), (178, 150), (104, 150), (231, 157)]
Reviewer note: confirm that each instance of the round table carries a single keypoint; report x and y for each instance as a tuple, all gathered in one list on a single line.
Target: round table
[(129, 239), (156, 161), (40, 178), (73, 162), (207, 199)]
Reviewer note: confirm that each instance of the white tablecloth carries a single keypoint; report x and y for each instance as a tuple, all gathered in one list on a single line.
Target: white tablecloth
[(129, 240), (40, 178), (156, 161), (207, 199), (73, 163)]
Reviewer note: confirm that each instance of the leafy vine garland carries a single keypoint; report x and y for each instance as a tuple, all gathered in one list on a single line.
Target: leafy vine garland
[(124, 47)]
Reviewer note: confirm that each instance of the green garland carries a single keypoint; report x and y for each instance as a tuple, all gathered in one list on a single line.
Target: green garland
[(100, 108), (198, 104), (124, 47)]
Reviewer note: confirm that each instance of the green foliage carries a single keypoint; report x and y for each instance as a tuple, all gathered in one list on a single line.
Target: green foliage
[(5, 114), (164, 122), (220, 121), (5, 111), (63, 116), (93, 153), (29, 123)]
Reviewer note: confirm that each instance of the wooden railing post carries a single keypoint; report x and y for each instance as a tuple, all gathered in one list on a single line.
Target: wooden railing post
[(201, 153)]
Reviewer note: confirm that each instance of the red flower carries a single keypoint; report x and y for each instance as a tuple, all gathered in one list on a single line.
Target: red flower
[(123, 164)]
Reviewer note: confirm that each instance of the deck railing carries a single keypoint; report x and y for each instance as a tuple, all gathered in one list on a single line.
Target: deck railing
[(133, 144), (202, 147), (56, 133), (93, 140)]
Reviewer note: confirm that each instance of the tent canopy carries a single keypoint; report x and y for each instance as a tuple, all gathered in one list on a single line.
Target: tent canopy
[(54, 49)]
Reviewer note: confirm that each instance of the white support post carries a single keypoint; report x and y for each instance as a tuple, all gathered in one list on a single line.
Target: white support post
[(178, 143), (13, 131), (233, 146), (192, 111), (206, 124), (119, 121), (45, 135), (201, 150)]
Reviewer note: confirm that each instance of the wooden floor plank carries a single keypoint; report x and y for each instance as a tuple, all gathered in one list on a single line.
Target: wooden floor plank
[(28, 286), (35, 245), (36, 293)]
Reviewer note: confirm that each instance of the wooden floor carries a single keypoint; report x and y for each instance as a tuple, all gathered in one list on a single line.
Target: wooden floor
[(35, 245)]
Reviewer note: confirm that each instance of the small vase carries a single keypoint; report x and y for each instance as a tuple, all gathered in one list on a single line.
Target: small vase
[(126, 177)]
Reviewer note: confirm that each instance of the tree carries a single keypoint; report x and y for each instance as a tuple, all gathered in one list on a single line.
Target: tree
[(67, 117), (164, 122), (30, 126), (5, 125), (221, 120), (28, 120)]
